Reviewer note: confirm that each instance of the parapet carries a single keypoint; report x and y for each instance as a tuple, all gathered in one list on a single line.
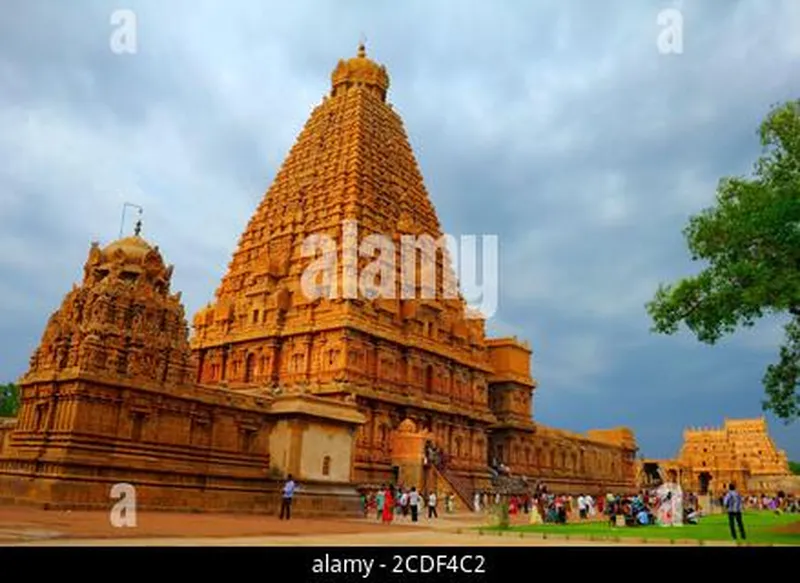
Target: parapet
[(618, 436), (510, 360)]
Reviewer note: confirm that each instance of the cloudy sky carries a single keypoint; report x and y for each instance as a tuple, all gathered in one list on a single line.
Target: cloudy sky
[(557, 125)]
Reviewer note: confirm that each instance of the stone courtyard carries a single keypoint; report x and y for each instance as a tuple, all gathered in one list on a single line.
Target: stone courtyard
[(24, 526)]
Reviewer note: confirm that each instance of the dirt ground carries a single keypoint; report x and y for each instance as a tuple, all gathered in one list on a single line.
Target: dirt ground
[(21, 523), (34, 526)]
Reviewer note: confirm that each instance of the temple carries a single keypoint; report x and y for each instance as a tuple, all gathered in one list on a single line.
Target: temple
[(109, 398), (740, 452), (347, 386)]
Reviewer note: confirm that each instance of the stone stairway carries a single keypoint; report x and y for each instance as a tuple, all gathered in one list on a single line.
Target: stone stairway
[(510, 485), (461, 486)]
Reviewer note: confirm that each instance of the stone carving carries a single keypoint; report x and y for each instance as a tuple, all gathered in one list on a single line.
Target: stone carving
[(125, 283)]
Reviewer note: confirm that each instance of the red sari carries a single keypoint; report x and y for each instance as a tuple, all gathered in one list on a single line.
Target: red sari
[(388, 507)]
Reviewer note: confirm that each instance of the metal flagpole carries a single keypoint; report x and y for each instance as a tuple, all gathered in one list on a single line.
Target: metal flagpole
[(122, 220)]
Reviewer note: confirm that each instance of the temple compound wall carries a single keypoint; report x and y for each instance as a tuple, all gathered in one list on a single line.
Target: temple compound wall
[(740, 452)]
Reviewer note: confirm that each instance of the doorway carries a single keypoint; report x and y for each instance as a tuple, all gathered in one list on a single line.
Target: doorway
[(705, 481)]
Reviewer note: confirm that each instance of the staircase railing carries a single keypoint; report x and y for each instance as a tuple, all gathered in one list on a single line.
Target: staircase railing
[(461, 486)]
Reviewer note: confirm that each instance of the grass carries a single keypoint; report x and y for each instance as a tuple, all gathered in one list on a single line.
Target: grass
[(760, 528)]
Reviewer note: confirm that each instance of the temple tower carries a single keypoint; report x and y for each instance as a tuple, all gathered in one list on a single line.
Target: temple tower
[(405, 346), (122, 322)]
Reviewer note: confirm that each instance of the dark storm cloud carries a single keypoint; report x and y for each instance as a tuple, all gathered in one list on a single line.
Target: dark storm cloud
[(555, 125)]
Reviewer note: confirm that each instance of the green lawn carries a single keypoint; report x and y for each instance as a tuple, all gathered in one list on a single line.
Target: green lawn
[(759, 527)]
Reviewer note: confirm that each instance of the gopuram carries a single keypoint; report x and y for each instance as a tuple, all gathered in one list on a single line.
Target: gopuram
[(740, 452), (341, 390)]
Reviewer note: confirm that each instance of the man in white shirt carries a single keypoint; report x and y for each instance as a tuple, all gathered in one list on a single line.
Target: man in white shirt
[(432, 506), (413, 503), (582, 506), (404, 503)]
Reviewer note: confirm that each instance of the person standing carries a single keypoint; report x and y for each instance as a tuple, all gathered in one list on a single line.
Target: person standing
[(432, 506), (582, 507), (404, 497), (413, 504), (380, 500), (286, 500), (364, 503), (733, 504), (388, 505)]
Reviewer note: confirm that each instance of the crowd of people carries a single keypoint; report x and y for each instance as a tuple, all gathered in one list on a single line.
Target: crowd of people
[(666, 505), (781, 502), (389, 502)]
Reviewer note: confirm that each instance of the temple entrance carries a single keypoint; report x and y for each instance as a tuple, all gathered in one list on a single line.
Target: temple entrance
[(705, 481), (651, 475)]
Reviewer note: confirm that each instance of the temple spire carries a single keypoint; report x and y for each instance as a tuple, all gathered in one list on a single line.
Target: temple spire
[(362, 49)]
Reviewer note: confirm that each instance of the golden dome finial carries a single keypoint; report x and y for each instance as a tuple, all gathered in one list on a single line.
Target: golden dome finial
[(360, 71)]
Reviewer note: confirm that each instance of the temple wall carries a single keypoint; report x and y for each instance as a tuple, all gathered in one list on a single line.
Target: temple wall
[(567, 462), (186, 447), (6, 427), (260, 497), (327, 356), (327, 455), (771, 485), (465, 444), (84, 427)]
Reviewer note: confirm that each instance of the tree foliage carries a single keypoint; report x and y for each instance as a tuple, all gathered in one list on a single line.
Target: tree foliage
[(750, 241), (794, 467), (9, 400)]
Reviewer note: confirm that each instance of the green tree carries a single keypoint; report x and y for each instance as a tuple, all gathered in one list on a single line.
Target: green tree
[(750, 242), (794, 467), (9, 400)]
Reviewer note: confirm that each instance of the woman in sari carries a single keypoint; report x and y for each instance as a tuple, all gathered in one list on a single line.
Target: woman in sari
[(388, 506), (670, 502), (535, 515)]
